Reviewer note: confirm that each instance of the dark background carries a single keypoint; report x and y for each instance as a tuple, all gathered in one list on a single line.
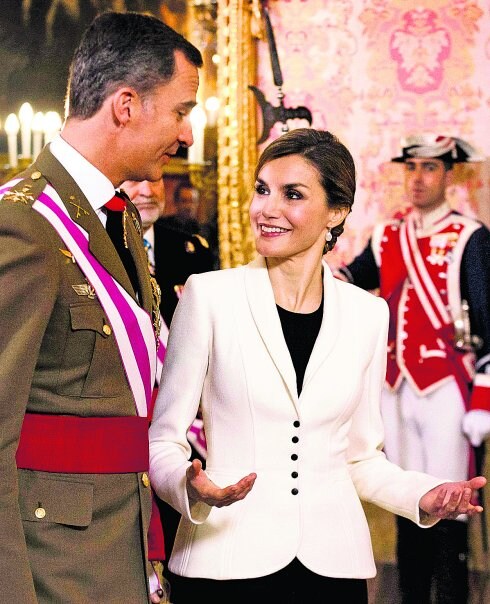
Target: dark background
[(37, 40)]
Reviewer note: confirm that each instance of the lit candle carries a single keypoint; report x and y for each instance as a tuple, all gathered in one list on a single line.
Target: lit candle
[(52, 125), (25, 119), (37, 133), (198, 122), (12, 128), (212, 107)]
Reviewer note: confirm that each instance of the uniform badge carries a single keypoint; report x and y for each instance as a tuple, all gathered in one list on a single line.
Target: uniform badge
[(80, 211), (23, 196), (203, 240), (441, 246), (190, 248), (69, 256), (85, 289)]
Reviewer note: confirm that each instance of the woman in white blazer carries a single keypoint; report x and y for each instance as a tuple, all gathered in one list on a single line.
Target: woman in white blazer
[(287, 364)]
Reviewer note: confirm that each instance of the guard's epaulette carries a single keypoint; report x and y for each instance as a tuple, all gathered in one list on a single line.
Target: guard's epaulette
[(27, 189), (203, 241)]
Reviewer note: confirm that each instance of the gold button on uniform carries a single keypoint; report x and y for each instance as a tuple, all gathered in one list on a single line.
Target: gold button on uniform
[(107, 329), (36, 175), (145, 479), (40, 513)]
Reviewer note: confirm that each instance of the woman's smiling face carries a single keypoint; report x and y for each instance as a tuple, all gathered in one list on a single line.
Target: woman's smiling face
[(289, 212)]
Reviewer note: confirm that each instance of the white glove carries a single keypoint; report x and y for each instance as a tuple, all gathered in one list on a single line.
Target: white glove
[(476, 426)]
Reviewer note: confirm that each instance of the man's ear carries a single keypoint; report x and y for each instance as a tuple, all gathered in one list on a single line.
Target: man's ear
[(125, 104), (449, 177), (337, 215)]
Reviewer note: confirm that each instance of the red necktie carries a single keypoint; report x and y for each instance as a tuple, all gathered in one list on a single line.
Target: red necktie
[(117, 203)]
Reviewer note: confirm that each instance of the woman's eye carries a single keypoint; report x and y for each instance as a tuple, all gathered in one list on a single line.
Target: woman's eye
[(260, 189), (293, 194)]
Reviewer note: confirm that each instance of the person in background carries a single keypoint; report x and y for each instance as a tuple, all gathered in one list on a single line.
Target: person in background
[(432, 265), (173, 254), (186, 200), (79, 320), (290, 406)]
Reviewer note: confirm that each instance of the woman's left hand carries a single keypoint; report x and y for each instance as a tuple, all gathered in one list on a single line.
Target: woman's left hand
[(450, 499)]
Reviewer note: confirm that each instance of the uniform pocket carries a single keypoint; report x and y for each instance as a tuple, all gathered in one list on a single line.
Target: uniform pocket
[(91, 365), (47, 497)]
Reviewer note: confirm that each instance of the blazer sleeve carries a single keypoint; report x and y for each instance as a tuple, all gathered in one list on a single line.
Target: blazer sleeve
[(28, 287), (376, 479), (181, 384)]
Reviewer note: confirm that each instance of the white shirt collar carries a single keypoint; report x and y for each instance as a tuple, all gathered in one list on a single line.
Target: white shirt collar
[(96, 187), (425, 222)]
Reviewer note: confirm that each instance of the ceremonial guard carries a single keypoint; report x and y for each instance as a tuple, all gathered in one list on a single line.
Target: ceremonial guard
[(432, 266)]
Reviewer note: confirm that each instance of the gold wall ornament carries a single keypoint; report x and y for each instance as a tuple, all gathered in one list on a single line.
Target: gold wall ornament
[(237, 149)]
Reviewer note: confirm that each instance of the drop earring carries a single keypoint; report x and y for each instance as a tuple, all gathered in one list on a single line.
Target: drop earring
[(328, 236)]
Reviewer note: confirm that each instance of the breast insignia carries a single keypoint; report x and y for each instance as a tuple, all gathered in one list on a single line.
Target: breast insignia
[(85, 289), (69, 255)]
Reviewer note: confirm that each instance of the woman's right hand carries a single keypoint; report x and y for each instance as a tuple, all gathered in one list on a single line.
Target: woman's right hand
[(201, 488)]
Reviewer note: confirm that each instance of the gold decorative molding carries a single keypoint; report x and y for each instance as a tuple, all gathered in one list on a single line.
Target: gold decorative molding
[(237, 150)]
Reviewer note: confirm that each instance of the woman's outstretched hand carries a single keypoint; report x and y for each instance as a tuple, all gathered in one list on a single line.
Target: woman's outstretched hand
[(201, 488), (450, 499)]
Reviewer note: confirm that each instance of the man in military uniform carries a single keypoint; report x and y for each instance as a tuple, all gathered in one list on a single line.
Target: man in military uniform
[(78, 319), (432, 266), (186, 200)]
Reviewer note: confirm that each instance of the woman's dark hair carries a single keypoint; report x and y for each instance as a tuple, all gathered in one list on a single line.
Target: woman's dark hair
[(123, 49), (331, 159)]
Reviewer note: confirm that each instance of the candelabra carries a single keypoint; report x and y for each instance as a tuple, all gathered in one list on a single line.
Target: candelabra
[(34, 129)]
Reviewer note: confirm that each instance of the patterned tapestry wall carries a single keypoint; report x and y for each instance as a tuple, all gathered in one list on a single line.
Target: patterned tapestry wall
[(374, 71)]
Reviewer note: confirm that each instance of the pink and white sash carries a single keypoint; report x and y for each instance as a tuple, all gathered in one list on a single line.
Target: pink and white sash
[(132, 325)]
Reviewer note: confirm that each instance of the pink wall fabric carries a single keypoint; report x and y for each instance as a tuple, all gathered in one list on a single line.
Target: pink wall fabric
[(374, 71)]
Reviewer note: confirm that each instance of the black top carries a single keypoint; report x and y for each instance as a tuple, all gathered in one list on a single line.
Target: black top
[(300, 332)]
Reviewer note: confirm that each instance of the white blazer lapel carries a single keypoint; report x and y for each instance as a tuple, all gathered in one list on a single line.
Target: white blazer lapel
[(263, 308), (329, 329)]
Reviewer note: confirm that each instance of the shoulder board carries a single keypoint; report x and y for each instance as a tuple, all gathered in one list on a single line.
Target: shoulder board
[(27, 189)]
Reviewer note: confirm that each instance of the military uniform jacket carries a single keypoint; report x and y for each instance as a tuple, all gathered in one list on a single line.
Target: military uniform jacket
[(57, 356), (424, 280)]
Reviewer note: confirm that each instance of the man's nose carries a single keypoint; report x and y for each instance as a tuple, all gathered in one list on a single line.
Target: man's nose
[(185, 135)]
